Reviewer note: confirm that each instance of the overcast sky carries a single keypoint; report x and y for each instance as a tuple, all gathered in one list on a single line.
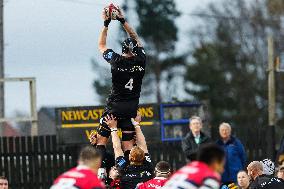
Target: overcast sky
[(53, 41)]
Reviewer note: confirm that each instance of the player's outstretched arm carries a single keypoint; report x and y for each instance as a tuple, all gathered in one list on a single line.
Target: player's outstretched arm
[(140, 138), (128, 28), (116, 143), (103, 34)]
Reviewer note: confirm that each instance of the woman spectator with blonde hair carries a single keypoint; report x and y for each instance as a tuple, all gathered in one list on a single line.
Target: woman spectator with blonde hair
[(243, 180)]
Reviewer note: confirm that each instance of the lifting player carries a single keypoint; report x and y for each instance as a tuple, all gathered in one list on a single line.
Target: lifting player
[(127, 71)]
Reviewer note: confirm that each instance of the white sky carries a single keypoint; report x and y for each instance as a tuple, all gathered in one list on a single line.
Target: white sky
[(54, 40)]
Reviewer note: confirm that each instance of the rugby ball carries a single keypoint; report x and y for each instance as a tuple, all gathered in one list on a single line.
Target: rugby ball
[(112, 11)]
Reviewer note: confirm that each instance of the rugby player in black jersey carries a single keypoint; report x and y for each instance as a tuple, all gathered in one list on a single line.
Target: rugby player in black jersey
[(127, 71), (137, 167)]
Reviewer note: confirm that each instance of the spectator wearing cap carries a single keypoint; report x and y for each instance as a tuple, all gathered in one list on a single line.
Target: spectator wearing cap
[(235, 153), (194, 139)]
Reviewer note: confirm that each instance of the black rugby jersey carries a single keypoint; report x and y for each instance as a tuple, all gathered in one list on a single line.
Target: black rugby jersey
[(131, 175), (127, 75)]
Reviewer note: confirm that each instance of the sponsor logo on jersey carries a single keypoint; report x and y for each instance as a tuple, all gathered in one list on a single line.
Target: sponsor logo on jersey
[(109, 55)]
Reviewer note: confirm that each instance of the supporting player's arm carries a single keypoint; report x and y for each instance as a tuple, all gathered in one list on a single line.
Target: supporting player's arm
[(103, 34), (128, 28), (116, 143), (140, 138)]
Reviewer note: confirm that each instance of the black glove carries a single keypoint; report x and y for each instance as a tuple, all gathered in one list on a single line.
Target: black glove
[(106, 22), (121, 20)]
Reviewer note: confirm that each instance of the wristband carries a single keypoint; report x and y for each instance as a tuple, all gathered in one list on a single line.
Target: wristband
[(106, 22), (137, 126), (113, 129), (121, 20)]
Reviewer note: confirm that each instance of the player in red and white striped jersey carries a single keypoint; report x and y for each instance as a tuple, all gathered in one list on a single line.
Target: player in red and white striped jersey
[(201, 174), (84, 176), (162, 173)]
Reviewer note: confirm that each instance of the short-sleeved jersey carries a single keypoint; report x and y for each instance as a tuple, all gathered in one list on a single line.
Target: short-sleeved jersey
[(127, 74), (195, 175), (155, 183), (80, 177), (131, 175), (267, 182)]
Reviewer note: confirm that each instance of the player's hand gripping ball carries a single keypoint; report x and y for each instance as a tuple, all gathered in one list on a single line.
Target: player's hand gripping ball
[(112, 11)]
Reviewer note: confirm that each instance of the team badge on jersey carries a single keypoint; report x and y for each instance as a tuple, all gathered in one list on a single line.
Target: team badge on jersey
[(108, 56)]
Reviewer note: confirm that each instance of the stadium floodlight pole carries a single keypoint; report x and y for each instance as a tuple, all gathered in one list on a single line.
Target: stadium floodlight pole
[(271, 100), (2, 105)]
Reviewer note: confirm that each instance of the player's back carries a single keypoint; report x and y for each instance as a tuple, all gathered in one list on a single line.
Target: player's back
[(80, 177), (195, 175), (127, 74), (127, 77), (155, 183)]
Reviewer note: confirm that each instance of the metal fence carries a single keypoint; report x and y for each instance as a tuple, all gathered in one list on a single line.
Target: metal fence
[(34, 162)]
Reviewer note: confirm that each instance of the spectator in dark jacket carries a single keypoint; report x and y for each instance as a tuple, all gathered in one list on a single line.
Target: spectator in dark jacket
[(195, 138), (235, 153)]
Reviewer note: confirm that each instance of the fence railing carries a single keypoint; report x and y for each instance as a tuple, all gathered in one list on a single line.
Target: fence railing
[(34, 162)]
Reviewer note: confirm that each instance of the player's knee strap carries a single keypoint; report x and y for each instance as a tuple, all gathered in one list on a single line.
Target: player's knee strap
[(127, 136)]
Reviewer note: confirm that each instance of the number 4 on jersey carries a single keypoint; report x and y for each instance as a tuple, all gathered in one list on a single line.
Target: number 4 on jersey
[(129, 84)]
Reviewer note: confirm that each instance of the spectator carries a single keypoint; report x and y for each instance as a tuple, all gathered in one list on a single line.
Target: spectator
[(203, 173), (84, 176), (162, 173), (280, 172), (268, 167), (194, 138), (280, 159), (243, 180), (139, 167), (235, 153), (4, 183), (260, 180)]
